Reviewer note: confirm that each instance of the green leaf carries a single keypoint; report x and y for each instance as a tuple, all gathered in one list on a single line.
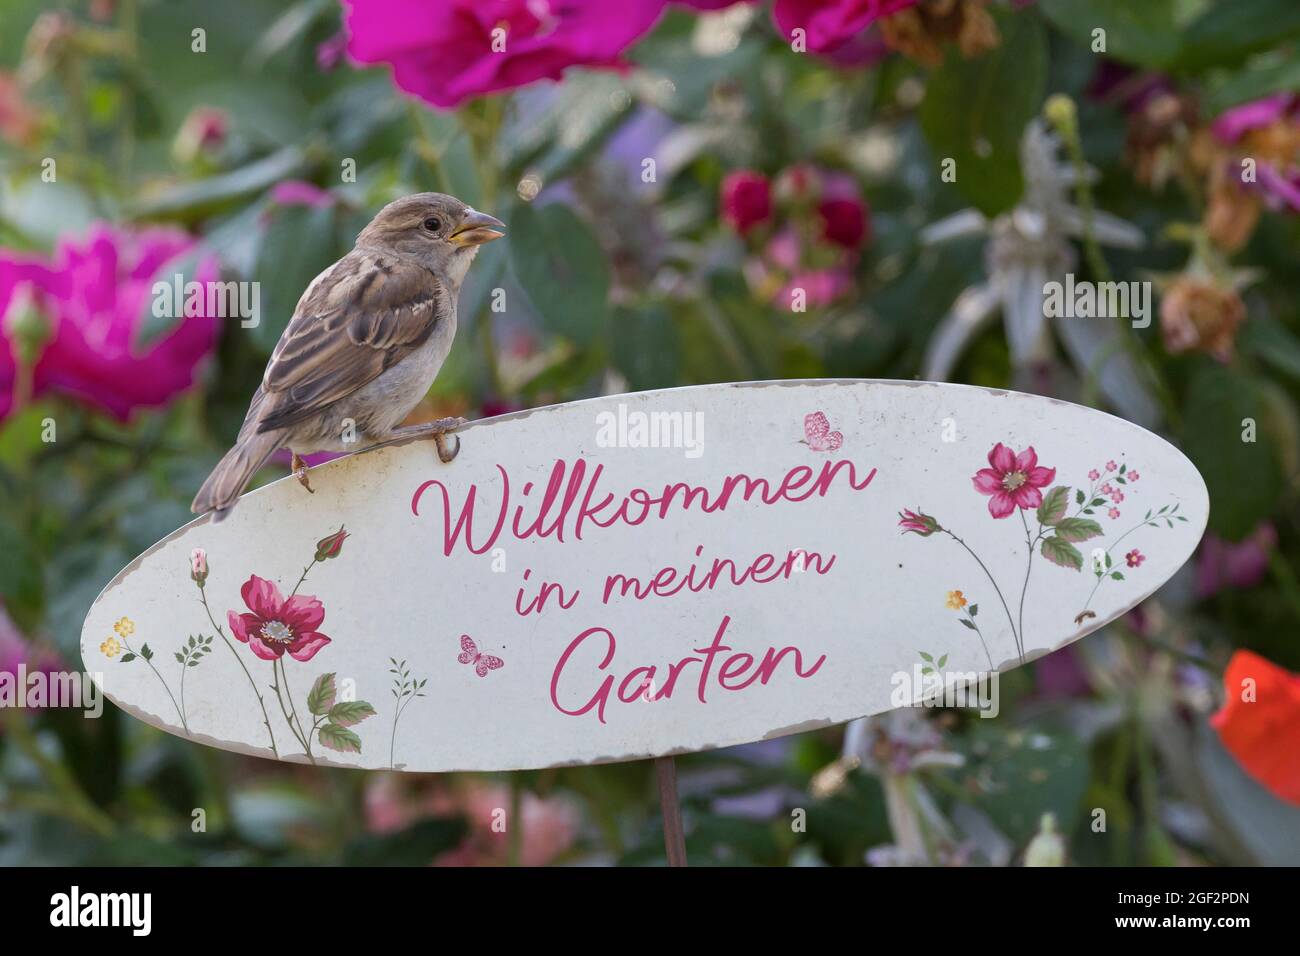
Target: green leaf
[(127, 657), (1079, 496), (348, 712), (976, 110), (1063, 553), (146, 653), (967, 623), (1078, 529), (1243, 477), (1052, 510), (925, 656), (1137, 31), (321, 696), (1116, 576), (974, 610), (299, 243), (943, 660), (1228, 33), (562, 269), (205, 196), (339, 738)]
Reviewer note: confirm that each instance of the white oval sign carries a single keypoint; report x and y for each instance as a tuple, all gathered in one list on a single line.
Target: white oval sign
[(645, 574)]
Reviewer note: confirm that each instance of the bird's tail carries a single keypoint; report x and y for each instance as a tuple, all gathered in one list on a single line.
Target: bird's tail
[(220, 492)]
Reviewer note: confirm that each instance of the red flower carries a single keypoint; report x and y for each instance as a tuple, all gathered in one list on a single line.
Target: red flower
[(277, 625), (844, 222), (1263, 730), (746, 199), (1135, 558), (1013, 481)]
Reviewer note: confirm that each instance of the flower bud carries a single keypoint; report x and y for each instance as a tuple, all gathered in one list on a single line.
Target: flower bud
[(198, 566), (918, 522), (331, 546)]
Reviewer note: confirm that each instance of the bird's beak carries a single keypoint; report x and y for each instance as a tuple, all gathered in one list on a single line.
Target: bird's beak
[(477, 228)]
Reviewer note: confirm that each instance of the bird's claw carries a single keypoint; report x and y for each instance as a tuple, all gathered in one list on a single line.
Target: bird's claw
[(445, 456), (300, 472)]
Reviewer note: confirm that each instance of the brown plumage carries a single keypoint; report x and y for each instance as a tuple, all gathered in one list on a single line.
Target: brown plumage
[(364, 344)]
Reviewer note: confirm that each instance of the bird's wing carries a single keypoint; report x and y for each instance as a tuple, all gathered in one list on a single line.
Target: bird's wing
[(365, 314)]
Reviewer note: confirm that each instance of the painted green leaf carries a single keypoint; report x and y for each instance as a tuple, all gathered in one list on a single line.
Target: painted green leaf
[(339, 738), (1052, 510), (348, 712), (321, 696), (1061, 552), (1078, 529)]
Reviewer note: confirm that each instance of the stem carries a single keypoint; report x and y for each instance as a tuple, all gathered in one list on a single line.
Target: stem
[(1010, 620), (983, 643), (301, 579), (1029, 566), (288, 691), (1106, 574), (275, 686), (185, 666), (179, 712), (203, 599)]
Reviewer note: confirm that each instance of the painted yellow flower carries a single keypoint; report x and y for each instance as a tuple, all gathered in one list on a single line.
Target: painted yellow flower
[(956, 601), (111, 647), (125, 627)]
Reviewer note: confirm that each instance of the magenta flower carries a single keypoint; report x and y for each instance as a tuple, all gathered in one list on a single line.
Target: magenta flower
[(299, 192), (1135, 558), (277, 625), (95, 295), (1243, 564), (1133, 476), (1013, 480), (1094, 475), (746, 199), (1113, 513), (446, 53), (831, 25), (1111, 466)]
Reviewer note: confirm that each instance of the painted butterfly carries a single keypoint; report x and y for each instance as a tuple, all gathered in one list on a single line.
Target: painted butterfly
[(482, 662), (817, 432)]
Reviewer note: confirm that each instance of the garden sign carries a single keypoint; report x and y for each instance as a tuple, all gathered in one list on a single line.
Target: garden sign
[(641, 575)]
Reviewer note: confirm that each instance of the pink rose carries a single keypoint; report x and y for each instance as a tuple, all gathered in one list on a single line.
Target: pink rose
[(830, 25), (449, 52), (95, 294), (746, 199)]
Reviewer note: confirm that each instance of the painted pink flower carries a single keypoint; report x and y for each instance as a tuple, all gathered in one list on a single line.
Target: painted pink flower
[(449, 52), (831, 25), (277, 625), (1107, 488), (918, 522), (1135, 558), (1013, 480), (746, 199), (1116, 496), (95, 295), (1094, 475), (1133, 476), (1111, 466), (1113, 513)]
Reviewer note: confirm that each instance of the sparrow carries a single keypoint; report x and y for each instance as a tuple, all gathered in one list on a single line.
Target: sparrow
[(365, 342)]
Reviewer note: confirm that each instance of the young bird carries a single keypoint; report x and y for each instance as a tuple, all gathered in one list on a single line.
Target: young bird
[(364, 344)]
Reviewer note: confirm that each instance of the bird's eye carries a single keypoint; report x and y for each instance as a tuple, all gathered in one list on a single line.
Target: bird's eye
[(433, 224)]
